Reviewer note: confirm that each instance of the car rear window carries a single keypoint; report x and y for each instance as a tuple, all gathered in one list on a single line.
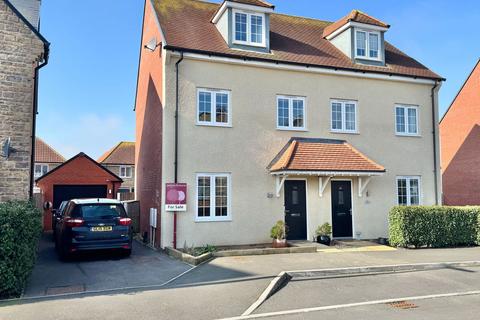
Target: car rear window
[(98, 211)]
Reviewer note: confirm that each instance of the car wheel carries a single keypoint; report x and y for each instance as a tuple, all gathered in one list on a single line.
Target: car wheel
[(63, 254), (127, 253)]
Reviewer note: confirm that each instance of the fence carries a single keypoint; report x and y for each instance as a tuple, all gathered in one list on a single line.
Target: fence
[(133, 211), (126, 196)]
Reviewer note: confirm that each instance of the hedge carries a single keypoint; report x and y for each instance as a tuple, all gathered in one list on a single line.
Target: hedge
[(434, 227), (20, 230)]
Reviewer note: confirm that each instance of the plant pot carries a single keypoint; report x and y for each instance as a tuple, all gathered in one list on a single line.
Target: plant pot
[(279, 243), (324, 240)]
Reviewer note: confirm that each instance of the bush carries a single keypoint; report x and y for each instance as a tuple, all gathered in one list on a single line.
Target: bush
[(324, 230), (435, 227), (20, 230), (278, 231)]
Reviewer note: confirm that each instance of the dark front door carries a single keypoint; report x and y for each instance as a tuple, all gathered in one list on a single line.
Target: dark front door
[(69, 192), (342, 209), (296, 209)]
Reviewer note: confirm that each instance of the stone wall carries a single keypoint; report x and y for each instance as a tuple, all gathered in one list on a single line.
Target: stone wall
[(20, 50)]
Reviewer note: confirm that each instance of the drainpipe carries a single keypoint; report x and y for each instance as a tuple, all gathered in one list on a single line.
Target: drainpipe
[(34, 117), (434, 133), (176, 146)]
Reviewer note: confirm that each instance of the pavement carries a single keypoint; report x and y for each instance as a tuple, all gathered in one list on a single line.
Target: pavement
[(99, 271), (226, 287)]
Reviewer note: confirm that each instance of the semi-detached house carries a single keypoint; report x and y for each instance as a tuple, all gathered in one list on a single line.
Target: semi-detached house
[(268, 117)]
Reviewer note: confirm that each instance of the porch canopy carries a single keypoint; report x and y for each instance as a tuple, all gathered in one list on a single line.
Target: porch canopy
[(325, 158)]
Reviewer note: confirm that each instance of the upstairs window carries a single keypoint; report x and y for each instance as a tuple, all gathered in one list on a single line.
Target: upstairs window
[(290, 113), (344, 116), (406, 120), (367, 45), (213, 107), (126, 172), (40, 170), (249, 28)]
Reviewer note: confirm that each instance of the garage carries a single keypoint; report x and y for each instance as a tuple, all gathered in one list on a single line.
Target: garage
[(67, 192), (78, 178)]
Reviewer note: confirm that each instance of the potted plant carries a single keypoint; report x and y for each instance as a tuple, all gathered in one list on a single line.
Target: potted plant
[(278, 234), (323, 233)]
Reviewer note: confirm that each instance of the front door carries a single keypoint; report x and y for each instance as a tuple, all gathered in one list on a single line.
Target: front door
[(296, 209), (342, 209)]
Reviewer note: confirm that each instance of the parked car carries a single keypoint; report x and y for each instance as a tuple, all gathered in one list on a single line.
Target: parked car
[(56, 213), (93, 224)]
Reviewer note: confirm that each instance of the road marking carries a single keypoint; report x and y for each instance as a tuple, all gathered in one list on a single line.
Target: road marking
[(360, 249), (268, 292), (352, 305)]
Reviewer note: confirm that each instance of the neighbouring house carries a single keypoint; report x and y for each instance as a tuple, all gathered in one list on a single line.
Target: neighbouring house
[(77, 178), (46, 158), (23, 51), (460, 141), (270, 117), (121, 161)]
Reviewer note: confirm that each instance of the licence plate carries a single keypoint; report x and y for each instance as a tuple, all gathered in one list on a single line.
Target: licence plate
[(101, 229)]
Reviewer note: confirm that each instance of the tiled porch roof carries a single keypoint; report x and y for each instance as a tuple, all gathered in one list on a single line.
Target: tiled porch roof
[(325, 155)]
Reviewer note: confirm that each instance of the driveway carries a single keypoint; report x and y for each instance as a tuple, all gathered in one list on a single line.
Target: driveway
[(100, 271)]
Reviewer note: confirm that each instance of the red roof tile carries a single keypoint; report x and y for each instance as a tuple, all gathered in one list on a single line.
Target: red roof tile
[(295, 40), (122, 153), (356, 16), (304, 154), (45, 153)]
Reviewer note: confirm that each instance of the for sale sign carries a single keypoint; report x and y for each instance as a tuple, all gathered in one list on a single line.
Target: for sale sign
[(176, 197)]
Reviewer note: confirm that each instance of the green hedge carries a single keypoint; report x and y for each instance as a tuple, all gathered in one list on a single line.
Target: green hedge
[(20, 230), (435, 227)]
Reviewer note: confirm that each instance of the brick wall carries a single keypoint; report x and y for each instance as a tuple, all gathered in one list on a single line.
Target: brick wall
[(149, 130), (19, 53), (460, 145)]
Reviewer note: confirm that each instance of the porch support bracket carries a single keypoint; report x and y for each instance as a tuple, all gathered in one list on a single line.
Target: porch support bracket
[(322, 184), (362, 184), (279, 181)]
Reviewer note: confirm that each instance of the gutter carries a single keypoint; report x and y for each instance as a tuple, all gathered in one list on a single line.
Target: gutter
[(34, 115), (435, 147)]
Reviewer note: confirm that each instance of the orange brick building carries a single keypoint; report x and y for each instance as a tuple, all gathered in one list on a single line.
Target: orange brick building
[(79, 177), (460, 144)]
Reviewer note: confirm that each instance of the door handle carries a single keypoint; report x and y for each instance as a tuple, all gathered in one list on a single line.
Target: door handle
[(287, 211), (295, 215)]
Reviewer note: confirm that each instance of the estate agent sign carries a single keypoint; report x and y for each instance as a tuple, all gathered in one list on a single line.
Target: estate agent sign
[(176, 197)]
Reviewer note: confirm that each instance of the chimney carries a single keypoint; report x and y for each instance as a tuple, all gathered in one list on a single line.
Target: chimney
[(30, 9)]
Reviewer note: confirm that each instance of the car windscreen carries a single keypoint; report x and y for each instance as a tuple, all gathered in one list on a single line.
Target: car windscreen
[(98, 211)]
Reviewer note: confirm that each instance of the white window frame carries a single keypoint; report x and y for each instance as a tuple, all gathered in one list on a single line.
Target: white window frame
[(125, 175), (212, 217), (344, 121), (290, 126), (249, 26), (420, 194), (213, 119), (42, 165), (367, 45), (405, 115)]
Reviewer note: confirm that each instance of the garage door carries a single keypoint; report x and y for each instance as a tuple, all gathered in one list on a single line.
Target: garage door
[(62, 193)]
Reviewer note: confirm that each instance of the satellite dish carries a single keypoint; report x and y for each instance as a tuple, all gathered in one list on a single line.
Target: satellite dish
[(152, 44), (6, 148)]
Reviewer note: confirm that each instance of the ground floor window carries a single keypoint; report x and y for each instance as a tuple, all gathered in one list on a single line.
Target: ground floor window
[(408, 191), (213, 197)]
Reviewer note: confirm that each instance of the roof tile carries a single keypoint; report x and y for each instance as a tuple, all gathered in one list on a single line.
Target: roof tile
[(304, 154), (45, 153), (122, 153)]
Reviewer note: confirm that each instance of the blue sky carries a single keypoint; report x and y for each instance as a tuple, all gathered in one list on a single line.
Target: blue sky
[(87, 91)]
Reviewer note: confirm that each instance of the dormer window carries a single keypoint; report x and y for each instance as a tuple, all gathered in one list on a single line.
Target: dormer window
[(367, 44), (249, 28)]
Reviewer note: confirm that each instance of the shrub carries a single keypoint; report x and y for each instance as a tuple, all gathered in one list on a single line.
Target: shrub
[(435, 227), (278, 231), (324, 230), (20, 230)]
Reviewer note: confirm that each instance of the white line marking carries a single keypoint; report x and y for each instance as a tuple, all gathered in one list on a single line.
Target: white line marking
[(265, 294), (351, 305)]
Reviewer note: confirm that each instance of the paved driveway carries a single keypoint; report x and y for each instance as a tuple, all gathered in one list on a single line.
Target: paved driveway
[(99, 271)]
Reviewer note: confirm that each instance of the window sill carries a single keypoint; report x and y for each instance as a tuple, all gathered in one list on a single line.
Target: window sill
[(344, 132), (250, 44), (408, 135), (292, 129), (200, 124), (368, 58), (225, 219)]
